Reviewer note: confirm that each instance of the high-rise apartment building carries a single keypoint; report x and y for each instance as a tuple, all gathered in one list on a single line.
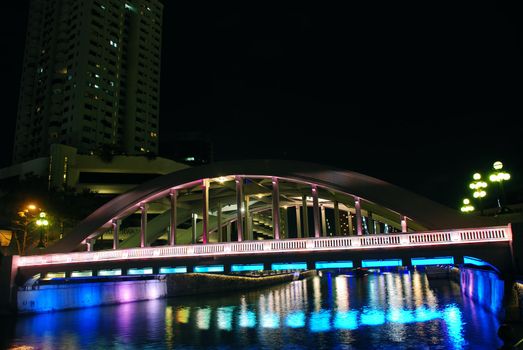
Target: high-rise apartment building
[(91, 77)]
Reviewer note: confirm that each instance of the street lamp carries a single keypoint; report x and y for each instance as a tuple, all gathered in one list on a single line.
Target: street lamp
[(479, 189), (42, 223), (499, 176), (467, 207)]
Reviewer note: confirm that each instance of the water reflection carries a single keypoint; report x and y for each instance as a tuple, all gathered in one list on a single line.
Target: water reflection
[(380, 310)]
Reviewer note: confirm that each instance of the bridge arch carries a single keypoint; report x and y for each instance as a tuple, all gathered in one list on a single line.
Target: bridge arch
[(293, 183)]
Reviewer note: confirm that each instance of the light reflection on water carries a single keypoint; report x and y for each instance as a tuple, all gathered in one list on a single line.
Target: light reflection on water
[(390, 311)]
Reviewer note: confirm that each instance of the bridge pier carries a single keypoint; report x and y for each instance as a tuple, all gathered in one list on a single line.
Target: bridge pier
[(275, 208), (239, 203), (143, 225), (305, 216), (298, 222), (357, 207), (337, 222), (172, 223), (316, 212)]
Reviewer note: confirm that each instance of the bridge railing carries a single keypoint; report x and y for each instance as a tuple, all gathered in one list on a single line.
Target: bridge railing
[(448, 237)]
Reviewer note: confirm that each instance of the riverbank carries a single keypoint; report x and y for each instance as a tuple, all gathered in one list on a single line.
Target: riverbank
[(68, 295)]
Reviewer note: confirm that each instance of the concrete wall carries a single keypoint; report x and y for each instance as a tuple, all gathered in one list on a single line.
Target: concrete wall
[(68, 296)]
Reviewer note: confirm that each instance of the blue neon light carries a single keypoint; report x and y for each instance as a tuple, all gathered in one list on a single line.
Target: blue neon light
[(423, 314), (373, 317), (400, 316), (224, 316), (247, 319), (289, 266), (209, 268), (381, 263), (295, 319), (114, 272), (177, 269), (452, 318), (270, 320), (474, 261), (246, 267), (333, 264), (442, 260), (346, 320), (142, 271), (320, 321)]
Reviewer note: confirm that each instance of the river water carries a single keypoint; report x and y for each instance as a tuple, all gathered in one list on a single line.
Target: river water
[(378, 311)]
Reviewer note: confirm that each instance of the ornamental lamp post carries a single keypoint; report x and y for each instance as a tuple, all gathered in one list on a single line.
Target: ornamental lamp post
[(500, 176), (479, 189), (467, 207), (42, 223)]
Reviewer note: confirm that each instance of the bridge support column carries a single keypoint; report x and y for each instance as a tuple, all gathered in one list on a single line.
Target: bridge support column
[(357, 206), (285, 231), (323, 221), (205, 210), (143, 225), (229, 230), (316, 212), (377, 227), (219, 224), (194, 226), (90, 245), (337, 222), (116, 231), (275, 208), (298, 222), (239, 203), (404, 227), (248, 222), (305, 216), (172, 224)]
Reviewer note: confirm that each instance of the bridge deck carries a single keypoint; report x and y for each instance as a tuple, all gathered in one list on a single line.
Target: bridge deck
[(253, 248)]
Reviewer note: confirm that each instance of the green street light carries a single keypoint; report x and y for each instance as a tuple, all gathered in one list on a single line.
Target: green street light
[(467, 207), (478, 187), (499, 176), (42, 223)]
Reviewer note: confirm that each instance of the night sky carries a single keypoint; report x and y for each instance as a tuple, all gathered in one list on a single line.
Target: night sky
[(419, 96)]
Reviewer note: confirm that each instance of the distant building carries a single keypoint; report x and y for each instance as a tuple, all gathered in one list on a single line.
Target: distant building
[(65, 168), (91, 78)]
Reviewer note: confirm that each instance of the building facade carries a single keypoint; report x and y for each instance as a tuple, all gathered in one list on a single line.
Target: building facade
[(91, 78)]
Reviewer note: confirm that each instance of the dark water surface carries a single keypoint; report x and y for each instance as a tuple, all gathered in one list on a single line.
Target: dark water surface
[(379, 311)]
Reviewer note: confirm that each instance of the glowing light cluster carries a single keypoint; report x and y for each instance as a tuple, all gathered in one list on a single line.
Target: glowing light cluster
[(467, 207)]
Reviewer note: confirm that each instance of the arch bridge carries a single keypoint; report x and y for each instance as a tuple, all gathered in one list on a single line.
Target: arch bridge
[(268, 215)]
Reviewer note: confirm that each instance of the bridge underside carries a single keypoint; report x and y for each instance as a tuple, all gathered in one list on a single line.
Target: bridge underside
[(494, 253)]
